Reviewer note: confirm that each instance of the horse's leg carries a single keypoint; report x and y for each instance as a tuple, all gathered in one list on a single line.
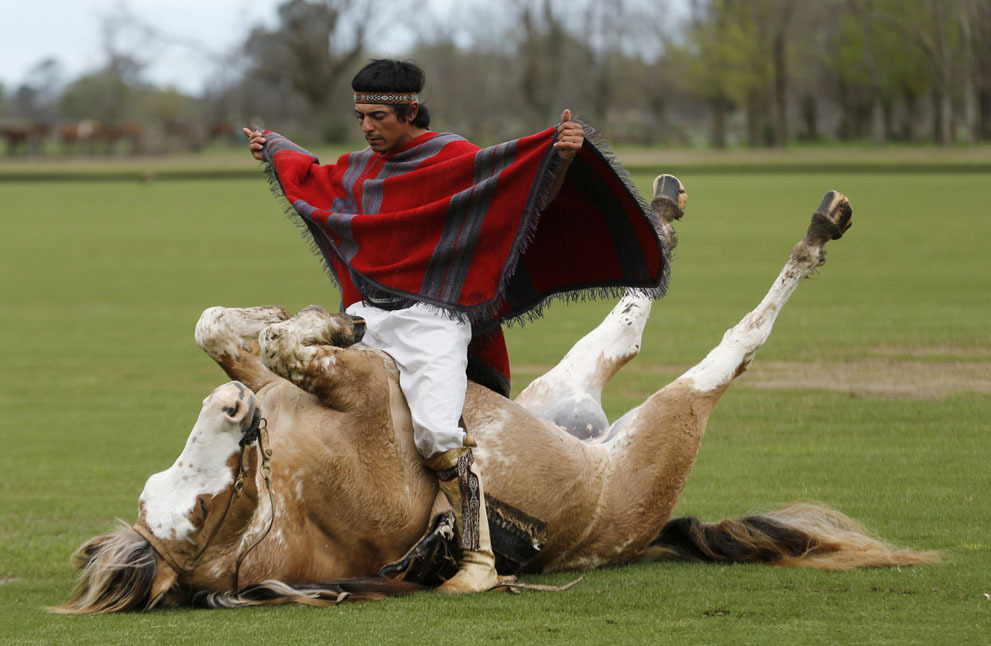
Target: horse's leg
[(653, 447), (732, 356), (570, 394), (312, 350), (230, 336)]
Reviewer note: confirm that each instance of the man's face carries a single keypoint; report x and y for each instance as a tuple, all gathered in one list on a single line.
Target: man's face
[(382, 128)]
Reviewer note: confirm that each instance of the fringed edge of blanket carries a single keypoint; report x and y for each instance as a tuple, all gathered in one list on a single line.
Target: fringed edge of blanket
[(539, 201)]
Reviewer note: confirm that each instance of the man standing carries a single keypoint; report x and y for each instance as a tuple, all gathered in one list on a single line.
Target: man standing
[(434, 242)]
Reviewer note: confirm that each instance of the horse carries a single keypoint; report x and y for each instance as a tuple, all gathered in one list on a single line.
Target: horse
[(26, 132), (83, 136), (80, 136), (300, 483)]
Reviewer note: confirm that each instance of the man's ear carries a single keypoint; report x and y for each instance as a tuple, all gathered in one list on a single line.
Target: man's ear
[(414, 109)]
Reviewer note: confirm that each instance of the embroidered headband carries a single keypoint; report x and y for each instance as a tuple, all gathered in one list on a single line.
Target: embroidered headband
[(387, 98)]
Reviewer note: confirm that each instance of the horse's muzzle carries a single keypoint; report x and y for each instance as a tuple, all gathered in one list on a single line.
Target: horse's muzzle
[(359, 327)]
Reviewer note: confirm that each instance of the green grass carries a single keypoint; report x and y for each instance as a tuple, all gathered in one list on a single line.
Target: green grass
[(100, 382)]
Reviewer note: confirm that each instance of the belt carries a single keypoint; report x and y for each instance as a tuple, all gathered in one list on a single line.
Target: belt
[(389, 303)]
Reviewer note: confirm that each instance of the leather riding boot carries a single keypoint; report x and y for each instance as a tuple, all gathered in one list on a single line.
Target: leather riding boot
[(460, 481)]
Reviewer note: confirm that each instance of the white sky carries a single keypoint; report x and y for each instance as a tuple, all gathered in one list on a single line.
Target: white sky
[(70, 31)]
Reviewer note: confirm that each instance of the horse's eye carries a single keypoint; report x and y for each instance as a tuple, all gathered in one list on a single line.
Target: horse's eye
[(203, 508)]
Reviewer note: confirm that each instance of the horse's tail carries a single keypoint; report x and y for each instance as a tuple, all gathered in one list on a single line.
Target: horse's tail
[(798, 535)]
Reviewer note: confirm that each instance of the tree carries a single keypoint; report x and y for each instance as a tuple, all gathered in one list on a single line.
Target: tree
[(865, 63), (778, 15), (604, 30), (932, 29), (981, 24), (175, 116), (107, 95), (974, 17), (542, 53), (312, 50), (714, 61), (37, 99), (749, 40)]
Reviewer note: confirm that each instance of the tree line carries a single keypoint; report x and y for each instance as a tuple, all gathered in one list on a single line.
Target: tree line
[(759, 73)]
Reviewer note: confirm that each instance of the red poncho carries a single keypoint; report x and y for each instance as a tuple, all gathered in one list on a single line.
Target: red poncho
[(441, 221)]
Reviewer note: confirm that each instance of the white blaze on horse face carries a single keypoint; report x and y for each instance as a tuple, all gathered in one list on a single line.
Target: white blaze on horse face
[(170, 498)]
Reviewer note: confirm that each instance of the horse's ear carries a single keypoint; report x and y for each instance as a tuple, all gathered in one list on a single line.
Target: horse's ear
[(165, 579)]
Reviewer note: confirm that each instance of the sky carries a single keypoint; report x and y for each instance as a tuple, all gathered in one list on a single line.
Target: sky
[(189, 35), (70, 31)]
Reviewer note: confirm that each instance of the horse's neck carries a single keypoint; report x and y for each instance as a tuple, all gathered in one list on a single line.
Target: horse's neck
[(353, 480)]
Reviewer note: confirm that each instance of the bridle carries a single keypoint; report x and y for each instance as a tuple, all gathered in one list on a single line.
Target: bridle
[(258, 430)]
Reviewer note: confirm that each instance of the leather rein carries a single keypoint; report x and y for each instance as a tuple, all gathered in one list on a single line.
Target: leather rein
[(258, 430)]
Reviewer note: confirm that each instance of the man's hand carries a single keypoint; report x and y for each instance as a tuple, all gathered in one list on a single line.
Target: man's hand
[(256, 143), (570, 136)]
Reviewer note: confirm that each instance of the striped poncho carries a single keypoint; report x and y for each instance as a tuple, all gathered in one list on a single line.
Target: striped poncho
[(440, 221)]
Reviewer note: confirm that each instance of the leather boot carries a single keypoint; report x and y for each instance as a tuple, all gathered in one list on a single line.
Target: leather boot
[(460, 481)]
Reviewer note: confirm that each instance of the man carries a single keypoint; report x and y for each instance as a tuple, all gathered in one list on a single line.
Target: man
[(427, 236)]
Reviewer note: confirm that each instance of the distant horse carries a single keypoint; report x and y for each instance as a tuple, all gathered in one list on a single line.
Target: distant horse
[(130, 132), (224, 131), (329, 498), (23, 132), (79, 137), (89, 137)]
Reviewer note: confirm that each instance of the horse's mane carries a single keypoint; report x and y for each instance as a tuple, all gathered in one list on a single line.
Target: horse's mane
[(116, 574), (277, 593)]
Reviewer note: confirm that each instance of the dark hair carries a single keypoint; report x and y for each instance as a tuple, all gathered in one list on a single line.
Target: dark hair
[(386, 75)]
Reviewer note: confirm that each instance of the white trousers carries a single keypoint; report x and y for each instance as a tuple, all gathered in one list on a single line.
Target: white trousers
[(431, 350)]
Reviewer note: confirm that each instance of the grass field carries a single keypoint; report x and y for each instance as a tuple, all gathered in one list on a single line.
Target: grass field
[(873, 395)]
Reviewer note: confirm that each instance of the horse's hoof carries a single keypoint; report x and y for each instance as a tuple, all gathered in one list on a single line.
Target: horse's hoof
[(669, 198), (831, 220), (359, 326)]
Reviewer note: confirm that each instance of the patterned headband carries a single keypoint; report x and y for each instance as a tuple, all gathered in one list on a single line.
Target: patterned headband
[(387, 98)]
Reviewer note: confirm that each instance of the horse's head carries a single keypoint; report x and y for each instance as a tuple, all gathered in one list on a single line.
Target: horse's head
[(192, 516), (183, 505)]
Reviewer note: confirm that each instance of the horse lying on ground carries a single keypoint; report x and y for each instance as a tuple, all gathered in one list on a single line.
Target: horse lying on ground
[(331, 495)]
